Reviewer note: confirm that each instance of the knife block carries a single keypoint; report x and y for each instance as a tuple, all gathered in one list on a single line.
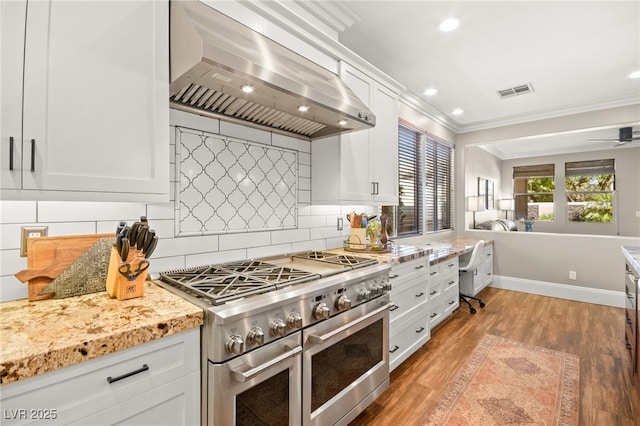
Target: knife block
[(119, 286)]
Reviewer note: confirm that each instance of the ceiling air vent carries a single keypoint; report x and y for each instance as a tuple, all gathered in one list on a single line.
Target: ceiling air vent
[(516, 90)]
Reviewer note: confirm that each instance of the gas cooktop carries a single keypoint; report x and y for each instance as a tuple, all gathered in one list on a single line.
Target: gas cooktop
[(231, 281)]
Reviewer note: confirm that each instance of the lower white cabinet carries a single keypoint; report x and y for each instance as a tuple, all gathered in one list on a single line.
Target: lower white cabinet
[(155, 383), (472, 282), (408, 323), (443, 290)]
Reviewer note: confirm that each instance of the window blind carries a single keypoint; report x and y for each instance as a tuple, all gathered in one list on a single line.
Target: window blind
[(410, 208), (589, 168), (537, 170), (439, 206)]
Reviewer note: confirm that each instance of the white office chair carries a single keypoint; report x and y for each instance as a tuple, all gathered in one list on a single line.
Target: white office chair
[(470, 268)]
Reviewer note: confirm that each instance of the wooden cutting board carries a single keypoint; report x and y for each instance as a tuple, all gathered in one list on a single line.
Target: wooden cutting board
[(50, 256)]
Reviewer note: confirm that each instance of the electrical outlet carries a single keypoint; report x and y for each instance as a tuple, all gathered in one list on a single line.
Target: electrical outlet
[(572, 275), (31, 232)]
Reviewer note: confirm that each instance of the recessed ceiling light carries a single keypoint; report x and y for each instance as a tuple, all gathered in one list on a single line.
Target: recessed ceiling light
[(635, 74), (343, 122), (303, 108), (430, 92), (457, 111), (247, 88), (449, 24)]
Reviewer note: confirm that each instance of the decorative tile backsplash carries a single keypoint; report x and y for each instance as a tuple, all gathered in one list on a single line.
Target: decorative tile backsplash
[(226, 185)]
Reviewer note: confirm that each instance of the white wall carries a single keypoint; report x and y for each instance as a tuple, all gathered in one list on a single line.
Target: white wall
[(317, 225)]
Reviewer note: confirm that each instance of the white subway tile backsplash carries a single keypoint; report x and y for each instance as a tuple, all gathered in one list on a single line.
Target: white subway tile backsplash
[(11, 262), (304, 196), (77, 211), (289, 236), (304, 158), (244, 240), (186, 245), (12, 289), (308, 245), (254, 253), (215, 258), (304, 183), (194, 121), (312, 221), (304, 171), (18, 211), (160, 211), (290, 142)]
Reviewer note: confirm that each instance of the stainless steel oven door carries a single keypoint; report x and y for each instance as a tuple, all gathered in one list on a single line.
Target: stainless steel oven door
[(261, 387), (345, 364)]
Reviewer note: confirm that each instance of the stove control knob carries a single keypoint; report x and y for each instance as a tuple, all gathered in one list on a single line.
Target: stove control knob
[(235, 345), (256, 336), (343, 303), (364, 294), (377, 290), (294, 320), (322, 311), (278, 327)]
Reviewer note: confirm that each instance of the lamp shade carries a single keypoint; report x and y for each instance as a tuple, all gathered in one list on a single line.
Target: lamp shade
[(505, 204), (474, 204)]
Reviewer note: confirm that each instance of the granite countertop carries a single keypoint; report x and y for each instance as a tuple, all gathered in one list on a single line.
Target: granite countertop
[(632, 255), (395, 255), (37, 337)]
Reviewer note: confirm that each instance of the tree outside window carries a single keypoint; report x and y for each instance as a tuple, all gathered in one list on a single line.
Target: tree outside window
[(534, 188), (590, 187)]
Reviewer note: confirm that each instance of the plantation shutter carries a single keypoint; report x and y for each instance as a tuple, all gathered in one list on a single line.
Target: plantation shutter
[(439, 206), (410, 208)]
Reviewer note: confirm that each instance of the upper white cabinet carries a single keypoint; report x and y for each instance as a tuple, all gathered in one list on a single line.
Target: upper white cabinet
[(85, 106), (360, 167)]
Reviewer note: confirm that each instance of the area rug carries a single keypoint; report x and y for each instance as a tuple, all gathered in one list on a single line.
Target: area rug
[(505, 382)]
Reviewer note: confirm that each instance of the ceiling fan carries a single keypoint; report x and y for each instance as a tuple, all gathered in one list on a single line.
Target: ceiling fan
[(625, 135)]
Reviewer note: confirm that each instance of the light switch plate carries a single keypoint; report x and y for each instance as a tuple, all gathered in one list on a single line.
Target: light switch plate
[(31, 232)]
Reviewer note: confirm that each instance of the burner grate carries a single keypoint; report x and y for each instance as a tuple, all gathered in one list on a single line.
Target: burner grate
[(226, 282), (335, 258)]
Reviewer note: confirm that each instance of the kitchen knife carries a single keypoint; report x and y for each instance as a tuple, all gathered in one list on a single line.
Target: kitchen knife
[(133, 233), (149, 248), (120, 227), (142, 235), (124, 252)]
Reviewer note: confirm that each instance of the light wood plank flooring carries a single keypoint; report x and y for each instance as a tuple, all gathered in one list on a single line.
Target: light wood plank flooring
[(595, 333)]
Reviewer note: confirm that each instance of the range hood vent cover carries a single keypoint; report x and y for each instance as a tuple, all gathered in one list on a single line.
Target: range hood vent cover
[(213, 56)]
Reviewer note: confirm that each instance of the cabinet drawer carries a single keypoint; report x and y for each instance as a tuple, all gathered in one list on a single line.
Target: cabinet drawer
[(435, 290), (406, 337), (82, 389), (407, 271), (407, 298), (451, 302)]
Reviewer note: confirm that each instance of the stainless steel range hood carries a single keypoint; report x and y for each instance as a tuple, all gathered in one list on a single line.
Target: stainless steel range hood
[(213, 57)]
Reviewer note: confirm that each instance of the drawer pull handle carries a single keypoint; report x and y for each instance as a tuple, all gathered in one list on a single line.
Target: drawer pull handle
[(452, 302), (395, 348), (393, 308), (420, 294), (628, 345), (33, 155), (419, 267), (110, 379), (629, 321), (451, 282), (433, 273), (433, 315), (420, 330), (432, 293), (11, 153), (394, 276), (451, 265)]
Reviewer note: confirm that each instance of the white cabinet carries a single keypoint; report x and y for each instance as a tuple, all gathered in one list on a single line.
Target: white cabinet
[(156, 383), (85, 100), (443, 290), (408, 321), (360, 167), (472, 282)]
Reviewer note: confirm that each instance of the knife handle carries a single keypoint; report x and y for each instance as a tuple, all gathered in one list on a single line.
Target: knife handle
[(150, 247), (124, 251), (142, 236), (133, 233)]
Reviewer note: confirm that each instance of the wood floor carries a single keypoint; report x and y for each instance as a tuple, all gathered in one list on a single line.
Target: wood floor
[(595, 333)]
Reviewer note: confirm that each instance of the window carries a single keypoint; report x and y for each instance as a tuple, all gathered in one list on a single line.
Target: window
[(589, 186), (533, 188), (425, 179)]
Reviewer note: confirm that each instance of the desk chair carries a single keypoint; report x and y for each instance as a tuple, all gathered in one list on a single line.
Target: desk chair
[(470, 268)]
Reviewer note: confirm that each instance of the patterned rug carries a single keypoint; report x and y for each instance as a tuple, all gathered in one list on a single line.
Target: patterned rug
[(510, 383)]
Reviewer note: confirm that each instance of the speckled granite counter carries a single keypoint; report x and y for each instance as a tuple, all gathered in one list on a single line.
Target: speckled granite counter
[(396, 254), (42, 336), (632, 255)]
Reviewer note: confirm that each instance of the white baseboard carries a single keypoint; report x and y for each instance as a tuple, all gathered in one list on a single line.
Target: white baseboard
[(561, 291)]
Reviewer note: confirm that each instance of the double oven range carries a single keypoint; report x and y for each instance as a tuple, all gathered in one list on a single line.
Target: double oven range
[(289, 340)]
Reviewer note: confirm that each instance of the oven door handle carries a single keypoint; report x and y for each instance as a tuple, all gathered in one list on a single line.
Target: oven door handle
[(321, 339), (244, 376)]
